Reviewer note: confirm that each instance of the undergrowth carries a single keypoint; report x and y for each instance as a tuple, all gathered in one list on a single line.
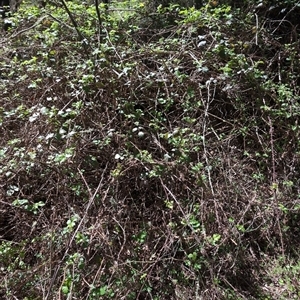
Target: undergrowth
[(150, 154)]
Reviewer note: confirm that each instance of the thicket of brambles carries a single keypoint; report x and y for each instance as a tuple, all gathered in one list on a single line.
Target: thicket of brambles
[(150, 150)]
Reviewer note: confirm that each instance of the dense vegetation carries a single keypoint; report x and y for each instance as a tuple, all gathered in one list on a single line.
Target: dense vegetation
[(150, 151)]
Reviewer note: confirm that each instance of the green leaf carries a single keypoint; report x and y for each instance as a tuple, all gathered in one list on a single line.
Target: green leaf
[(65, 289), (102, 290)]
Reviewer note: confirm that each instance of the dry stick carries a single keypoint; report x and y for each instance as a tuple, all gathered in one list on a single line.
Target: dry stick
[(94, 279), (11, 37), (81, 37), (206, 113), (274, 179), (124, 238), (92, 197), (99, 20), (272, 151), (256, 31), (284, 18), (204, 130), (181, 210), (279, 67)]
